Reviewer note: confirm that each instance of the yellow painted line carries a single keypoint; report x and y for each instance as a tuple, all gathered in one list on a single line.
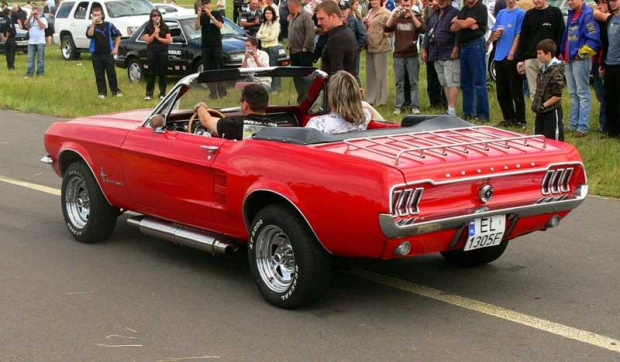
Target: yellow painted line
[(494, 311), (30, 185), (436, 294)]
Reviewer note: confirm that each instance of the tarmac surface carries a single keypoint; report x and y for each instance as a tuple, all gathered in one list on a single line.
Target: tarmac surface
[(553, 295)]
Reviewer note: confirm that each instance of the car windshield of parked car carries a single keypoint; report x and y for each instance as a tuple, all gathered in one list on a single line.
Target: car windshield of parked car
[(190, 31), (118, 9)]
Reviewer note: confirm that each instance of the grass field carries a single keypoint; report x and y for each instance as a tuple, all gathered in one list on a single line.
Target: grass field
[(68, 90)]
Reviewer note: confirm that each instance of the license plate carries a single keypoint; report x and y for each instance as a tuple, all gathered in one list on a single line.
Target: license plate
[(22, 42), (485, 232)]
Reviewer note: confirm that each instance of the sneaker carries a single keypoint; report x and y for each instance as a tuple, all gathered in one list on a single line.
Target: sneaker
[(397, 111), (415, 110), (451, 113), (521, 124), (147, 98), (506, 124), (579, 134), (161, 97), (102, 96), (483, 120), (119, 94)]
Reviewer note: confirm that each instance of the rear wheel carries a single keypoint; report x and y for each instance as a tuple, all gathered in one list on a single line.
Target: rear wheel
[(135, 71), (475, 257), (68, 49), (87, 214), (289, 266)]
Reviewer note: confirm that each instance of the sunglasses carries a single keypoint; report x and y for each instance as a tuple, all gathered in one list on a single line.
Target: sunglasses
[(155, 16)]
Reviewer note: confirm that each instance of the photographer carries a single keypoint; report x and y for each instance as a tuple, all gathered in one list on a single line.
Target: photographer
[(250, 20), (157, 37), (407, 26), (36, 25), (104, 41), (210, 22), (255, 58)]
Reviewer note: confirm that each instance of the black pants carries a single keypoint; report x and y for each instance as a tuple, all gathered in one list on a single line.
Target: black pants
[(612, 99), (302, 59), (550, 124), (104, 64), (9, 48), (436, 95), (212, 60), (236, 12), (510, 91), (158, 67), (283, 29)]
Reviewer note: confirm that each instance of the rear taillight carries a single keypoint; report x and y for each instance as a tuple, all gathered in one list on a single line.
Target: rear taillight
[(557, 181), (406, 201)]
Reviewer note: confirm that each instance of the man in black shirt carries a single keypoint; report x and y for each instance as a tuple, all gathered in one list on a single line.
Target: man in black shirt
[(8, 32), (250, 20), (104, 41), (254, 102), (211, 22), (470, 26), (340, 52)]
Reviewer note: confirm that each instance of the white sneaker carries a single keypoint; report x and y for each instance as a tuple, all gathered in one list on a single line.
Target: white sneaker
[(118, 95), (396, 111), (147, 98), (101, 96), (415, 110)]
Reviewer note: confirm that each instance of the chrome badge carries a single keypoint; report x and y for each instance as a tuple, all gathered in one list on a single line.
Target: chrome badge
[(486, 193)]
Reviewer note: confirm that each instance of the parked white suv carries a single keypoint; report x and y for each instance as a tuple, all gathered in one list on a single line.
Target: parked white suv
[(73, 18)]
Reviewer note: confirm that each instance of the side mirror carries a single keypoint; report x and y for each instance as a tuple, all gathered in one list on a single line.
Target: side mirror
[(158, 121)]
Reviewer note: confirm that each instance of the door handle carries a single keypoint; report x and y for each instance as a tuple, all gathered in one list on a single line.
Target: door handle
[(210, 149)]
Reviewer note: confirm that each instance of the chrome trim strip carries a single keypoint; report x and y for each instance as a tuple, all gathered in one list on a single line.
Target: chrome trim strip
[(290, 202), (565, 182), (391, 229), (91, 170)]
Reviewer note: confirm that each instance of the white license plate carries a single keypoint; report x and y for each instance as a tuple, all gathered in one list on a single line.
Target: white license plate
[(21, 43), (485, 232)]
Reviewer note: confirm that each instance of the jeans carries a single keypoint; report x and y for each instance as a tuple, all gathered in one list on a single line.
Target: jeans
[(276, 82), (577, 74), (357, 68), (599, 90), (158, 67), (474, 79), (102, 64), (38, 49), (411, 66)]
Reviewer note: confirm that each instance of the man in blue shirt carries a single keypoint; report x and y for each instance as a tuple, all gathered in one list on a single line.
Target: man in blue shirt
[(507, 31)]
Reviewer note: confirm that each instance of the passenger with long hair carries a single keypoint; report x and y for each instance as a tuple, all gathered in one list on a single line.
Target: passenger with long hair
[(345, 101), (157, 37)]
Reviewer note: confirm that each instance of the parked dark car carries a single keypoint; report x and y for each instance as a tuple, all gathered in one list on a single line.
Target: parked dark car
[(184, 54), (21, 41)]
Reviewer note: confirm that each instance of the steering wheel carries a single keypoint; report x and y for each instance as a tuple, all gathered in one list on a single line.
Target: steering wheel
[(196, 127)]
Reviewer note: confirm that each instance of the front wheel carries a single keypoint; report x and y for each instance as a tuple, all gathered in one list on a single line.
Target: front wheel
[(135, 71), (289, 266), (68, 49), (475, 257), (88, 215)]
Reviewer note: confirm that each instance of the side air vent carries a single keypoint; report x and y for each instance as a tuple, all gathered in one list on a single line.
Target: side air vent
[(557, 181), (406, 201)]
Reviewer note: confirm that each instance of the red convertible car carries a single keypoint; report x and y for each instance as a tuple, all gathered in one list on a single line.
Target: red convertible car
[(297, 197)]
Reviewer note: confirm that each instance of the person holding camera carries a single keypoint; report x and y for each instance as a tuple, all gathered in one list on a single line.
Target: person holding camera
[(250, 20), (256, 58), (104, 41), (407, 25), (36, 25), (210, 23), (157, 37)]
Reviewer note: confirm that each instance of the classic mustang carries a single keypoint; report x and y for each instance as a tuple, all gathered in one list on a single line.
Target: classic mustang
[(297, 197)]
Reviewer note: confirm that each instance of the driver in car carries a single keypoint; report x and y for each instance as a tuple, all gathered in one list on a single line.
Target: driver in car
[(254, 102)]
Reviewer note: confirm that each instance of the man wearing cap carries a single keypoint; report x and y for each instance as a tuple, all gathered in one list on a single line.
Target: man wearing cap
[(358, 29), (340, 52)]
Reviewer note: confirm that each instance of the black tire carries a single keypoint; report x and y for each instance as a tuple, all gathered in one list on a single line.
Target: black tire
[(68, 49), (475, 257), (308, 274), (135, 70), (88, 215), (491, 65), (198, 66)]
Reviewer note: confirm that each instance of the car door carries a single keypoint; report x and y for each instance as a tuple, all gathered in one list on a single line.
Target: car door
[(79, 23)]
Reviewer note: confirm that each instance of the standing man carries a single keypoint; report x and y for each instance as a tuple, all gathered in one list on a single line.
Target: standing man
[(210, 22), (250, 20), (436, 95), (36, 25), (580, 42), (300, 43), (470, 26), (441, 49), (610, 67), (542, 22), (104, 41), (509, 83), (283, 18), (406, 26), (340, 52), (8, 33), (359, 31)]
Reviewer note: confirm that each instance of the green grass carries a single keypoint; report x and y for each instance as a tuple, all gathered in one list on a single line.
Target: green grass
[(68, 90)]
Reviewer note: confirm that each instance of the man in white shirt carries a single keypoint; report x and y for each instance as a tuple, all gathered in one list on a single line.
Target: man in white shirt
[(36, 25), (255, 58)]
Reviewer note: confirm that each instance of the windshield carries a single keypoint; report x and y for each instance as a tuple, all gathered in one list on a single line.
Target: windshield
[(117, 9), (190, 31)]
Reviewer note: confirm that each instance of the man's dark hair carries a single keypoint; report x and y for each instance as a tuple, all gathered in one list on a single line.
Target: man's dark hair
[(257, 97), (204, 2), (252, 40), (329, 7), (273, 12), (547, 46)]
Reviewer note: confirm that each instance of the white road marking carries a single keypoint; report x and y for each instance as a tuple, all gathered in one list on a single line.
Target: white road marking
[(495, 311), (580, 335)]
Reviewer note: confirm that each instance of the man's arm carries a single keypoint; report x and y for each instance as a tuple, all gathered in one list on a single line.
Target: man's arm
[(198, 25), (117, 42), (469, 23), (336, 56), (308, 44), (206, 119)]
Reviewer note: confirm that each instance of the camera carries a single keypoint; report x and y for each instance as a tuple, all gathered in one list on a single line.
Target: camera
[(251, 51), (402, 11)]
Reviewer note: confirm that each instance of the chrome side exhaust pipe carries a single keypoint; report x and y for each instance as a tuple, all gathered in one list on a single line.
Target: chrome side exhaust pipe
[(183, 235)]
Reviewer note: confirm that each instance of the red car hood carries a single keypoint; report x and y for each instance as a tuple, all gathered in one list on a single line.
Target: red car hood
[(127, 120)]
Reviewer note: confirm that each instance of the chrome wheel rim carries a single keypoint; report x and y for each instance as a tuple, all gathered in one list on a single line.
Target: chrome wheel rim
[(66, 50), (275, 259), (135, 72), (77, 202)]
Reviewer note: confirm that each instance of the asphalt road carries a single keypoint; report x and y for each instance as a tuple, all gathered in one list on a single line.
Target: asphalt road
[(552, 296)]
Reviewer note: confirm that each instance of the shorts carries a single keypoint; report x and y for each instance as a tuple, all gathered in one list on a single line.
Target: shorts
[(448, 72)]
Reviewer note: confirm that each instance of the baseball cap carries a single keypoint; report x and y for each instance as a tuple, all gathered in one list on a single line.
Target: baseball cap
[(344, 4)]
